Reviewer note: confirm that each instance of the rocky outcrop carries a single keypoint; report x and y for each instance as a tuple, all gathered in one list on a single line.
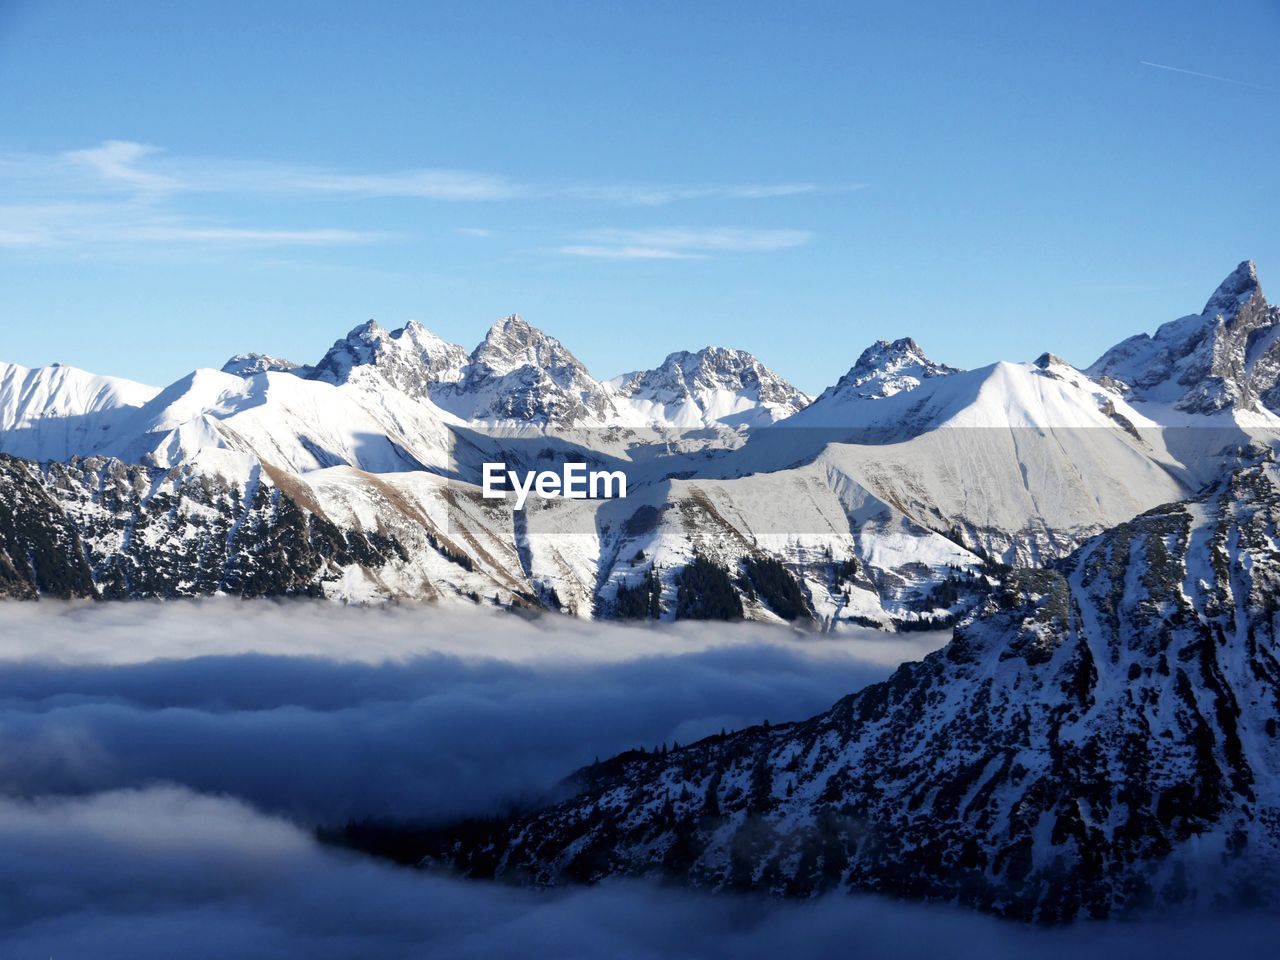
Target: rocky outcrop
[(1100, 737)]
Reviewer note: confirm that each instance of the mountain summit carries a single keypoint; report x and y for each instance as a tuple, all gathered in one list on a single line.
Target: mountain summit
[(1227, 357), (885, 368), (251, 364), (714, 384), (412, 359), (520, 373)]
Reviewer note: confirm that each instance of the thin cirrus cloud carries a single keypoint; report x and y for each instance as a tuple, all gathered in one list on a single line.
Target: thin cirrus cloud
[(148, 168), (64, 225), (122, 194), (681, 243), (119, 161)]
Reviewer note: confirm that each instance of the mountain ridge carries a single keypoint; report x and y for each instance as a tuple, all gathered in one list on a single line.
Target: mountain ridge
[(920, 475)]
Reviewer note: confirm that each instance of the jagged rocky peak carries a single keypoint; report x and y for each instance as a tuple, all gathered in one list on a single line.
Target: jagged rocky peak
[(888, 367), (1238, 289), (686, 375), (412, 358), (520, 373), (513, 342), (1100, 737), (1225, 357), (250, 364)]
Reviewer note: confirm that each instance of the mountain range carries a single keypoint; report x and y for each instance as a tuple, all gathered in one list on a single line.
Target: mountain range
[(895, 497), (1098, 737)]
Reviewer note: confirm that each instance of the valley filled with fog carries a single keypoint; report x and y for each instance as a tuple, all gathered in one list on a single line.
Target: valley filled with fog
[(164, 767)]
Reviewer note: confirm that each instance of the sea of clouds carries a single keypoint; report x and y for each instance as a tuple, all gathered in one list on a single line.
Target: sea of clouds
[(162, 767)]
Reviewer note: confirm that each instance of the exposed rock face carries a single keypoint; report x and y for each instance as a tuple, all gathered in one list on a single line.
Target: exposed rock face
[(520, 373), (411, 359), (886, 368), (1100, 737), (709, 381), (40, 550), (100, 528), (1225, 357), (517, 373)]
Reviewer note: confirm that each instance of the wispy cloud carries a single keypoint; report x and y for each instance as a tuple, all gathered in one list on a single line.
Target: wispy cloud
[(118, 161), (454, 185), (681, 243), (34, 226), (145, 167), (1204, 76), (656, 196), (125, 192), (626, 252)]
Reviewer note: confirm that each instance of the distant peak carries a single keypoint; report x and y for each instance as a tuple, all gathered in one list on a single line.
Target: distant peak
[(1046, 360), (1224, 357), (410, 358), (884, 353), (888, 367), (707, 356), (511, 323), (365, 331), (1236, 290), (249, 364), (705, 378), (514, 339)]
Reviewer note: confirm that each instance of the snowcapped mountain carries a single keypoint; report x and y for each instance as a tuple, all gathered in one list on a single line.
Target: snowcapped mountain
[(283, 420), (892, 498), (1018, 461), (1100, 737), (1227, 357), (713, 385), (518, 373), (884, 369), (251, 364), (57, 411), (412, 359)]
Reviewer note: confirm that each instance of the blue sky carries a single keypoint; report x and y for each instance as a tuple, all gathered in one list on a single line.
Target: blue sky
[(181, 181)]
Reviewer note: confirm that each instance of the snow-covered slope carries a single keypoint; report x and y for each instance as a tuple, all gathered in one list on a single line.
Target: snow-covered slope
[(287, 421), (57, 411), (712, 386), (1021, 461), (1101, 737)]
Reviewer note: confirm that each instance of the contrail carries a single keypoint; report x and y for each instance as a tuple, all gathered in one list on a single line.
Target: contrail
[(1206, 76)]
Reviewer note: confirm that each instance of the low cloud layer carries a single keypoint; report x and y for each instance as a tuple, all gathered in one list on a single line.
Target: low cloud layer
[(155, 873), (162, 765), (323, 713)]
